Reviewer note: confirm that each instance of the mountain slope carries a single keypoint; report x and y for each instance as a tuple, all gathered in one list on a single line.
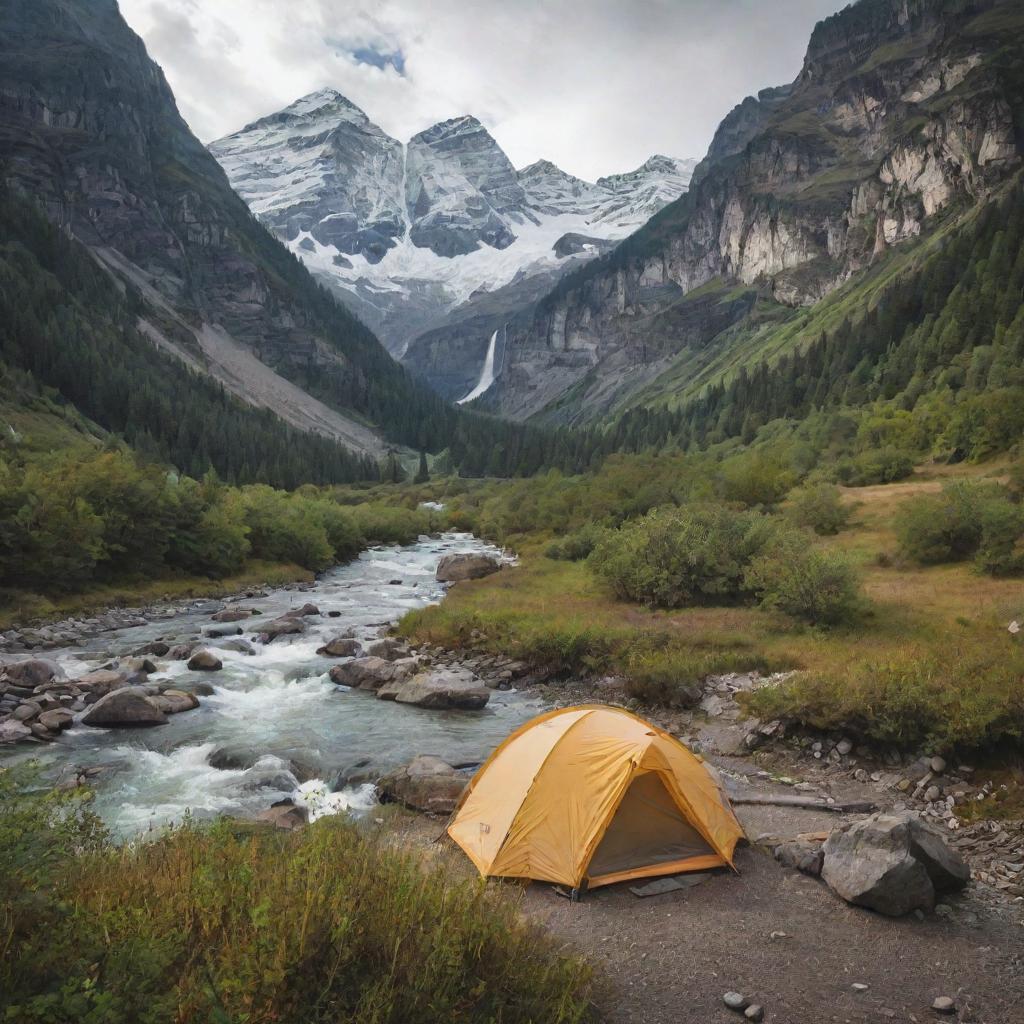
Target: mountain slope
[(418, 237), (89, 128), (905, 114)]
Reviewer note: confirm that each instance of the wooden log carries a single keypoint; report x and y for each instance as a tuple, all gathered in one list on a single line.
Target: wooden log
[(811, 802)]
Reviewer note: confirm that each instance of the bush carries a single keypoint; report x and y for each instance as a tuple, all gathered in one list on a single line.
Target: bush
[(820, 507), (576, 546), (882, 466), (674, 677), (965, 520), (819, 587), (755, 479), (232, 922), (691, 555)]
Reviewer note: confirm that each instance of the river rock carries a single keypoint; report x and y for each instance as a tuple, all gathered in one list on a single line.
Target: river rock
[(205, 661), (32, 672), (442, 689), (26, 710), (56, 719), (13, 731), (891, 863), (388, 648), (455, 568), (341, 647), (102, 681), (371, 673), (426, 783), (216, 632), (800, 856), (128, 706), (286, 625), (181, 652), (284, 815), (238, 644), (173, 702), (303, 612), (158, 649), (231, 615)]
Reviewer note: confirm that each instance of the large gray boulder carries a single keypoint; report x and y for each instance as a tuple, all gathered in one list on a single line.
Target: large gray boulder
[(205, 661), (13, 731), (32, 672), (455, 568), (441, 689), (388, 648), (426, 783), (891, 863), (102, 681), (286, 625), (371, 673), (231, 615), (340, 647), (129, 706)]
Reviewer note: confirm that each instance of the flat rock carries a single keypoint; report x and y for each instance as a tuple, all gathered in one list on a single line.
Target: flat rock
[(673, 883), (13, 731), (455, 568), (387, 648), (56, 719), (444, 689), (102, 681), (129, 706), (286, 625), (371, 673), (231, 615), (426, 783), (32, 672), (341, 647)]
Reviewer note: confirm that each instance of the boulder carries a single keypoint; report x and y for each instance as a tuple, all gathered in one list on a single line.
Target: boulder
[(455, 568), (13, 731), (443, 689), (216, 632), (128, 706), (426, 783), (157, 648), (102, 681), (371, 673), (31, 673), (341, 647), (284, 815), (387, 648), (205, 661), (800, 856), (231, 615), (173, 702), (286, 625), (305, 610), (891, 863), (239, 644), (181, 652), (26, 710)]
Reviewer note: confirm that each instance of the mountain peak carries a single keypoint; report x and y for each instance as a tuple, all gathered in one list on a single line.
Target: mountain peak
[(322, 99), (465, 124)]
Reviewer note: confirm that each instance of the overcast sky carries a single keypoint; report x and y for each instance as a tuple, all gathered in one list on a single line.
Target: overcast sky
[(597, 86)]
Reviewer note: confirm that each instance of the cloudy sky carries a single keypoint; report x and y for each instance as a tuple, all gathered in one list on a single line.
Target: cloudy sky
[(595, 85)]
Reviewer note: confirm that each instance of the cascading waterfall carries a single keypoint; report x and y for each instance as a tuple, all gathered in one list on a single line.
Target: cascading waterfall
[(486, 374)]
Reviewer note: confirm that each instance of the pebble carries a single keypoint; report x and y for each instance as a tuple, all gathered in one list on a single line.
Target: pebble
[(943, 1004), (932, 793), (754, 1012), (859, 986), (937, 764), (844, 746), (735, 1001)]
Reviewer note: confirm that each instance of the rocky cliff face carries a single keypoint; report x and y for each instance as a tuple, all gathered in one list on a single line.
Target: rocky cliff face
[(89, 126), (903, 109), (441, 233)]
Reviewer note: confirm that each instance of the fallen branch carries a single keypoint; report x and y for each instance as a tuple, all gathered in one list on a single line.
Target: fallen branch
[(802, 801)]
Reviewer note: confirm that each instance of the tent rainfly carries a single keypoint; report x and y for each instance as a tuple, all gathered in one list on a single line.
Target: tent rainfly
[(590, 795)]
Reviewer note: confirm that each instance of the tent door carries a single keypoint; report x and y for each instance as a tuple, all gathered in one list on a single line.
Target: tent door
[(648, 829)]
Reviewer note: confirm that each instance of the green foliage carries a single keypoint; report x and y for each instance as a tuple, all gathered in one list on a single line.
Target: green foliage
[(423, 473), (674, 676), (966, 520), (232, 922), (820, 587), (757, 479), (576, 546), (819, 507), (967, 695), (696, 554), (881, 466)]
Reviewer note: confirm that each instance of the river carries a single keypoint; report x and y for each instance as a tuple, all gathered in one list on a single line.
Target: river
[(275, 726)]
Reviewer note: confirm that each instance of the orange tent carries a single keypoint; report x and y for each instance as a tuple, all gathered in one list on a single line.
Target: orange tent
[(593, 795)]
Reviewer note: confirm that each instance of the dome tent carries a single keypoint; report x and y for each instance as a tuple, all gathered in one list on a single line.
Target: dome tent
[(590, 795)]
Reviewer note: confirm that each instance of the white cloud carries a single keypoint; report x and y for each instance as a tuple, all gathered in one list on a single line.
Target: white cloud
[(595, 85)]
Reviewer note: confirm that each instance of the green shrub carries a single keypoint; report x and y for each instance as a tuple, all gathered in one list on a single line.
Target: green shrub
[(820, 507), (755, 479), (575, 546), (696, 554), (820, 587), (1001, 548), (673, 677), (881, 466)]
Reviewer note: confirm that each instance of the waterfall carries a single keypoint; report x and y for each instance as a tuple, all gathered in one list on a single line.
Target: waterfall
[(486, 374)]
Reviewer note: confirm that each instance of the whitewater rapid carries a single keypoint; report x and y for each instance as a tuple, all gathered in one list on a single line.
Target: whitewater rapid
[(275, 727)]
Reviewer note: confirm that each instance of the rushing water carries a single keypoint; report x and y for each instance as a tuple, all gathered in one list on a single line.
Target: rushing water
[(275, 725)]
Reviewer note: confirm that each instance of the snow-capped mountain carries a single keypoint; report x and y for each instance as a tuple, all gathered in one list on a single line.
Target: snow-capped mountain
[(413, 235)]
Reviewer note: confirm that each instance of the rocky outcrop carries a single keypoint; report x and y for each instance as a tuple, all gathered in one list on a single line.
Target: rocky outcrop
[(891, 863), (455, 568), (426, 783), (440, 689), (900, 112), (372, 673)]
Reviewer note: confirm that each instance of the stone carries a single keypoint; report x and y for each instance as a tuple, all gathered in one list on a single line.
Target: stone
[(754, 1012), (231, 615), (932, 793), (102, 681), (844, 746), (181, 652), (56, 720), (859, 986), (128, 706), (205, 661), (388, 648), (937, 765), (370, 673), (426, 783), (455, 568), (341, 647), (26, 710), (157, 648), (284, 815), (800, 856), (735, 1001), (13, 731), (286, 625), (444, 689), (217, 632), (32, 672), (943, 1004), (239, 644), (303, 612), (173, 702), (891, 863)]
